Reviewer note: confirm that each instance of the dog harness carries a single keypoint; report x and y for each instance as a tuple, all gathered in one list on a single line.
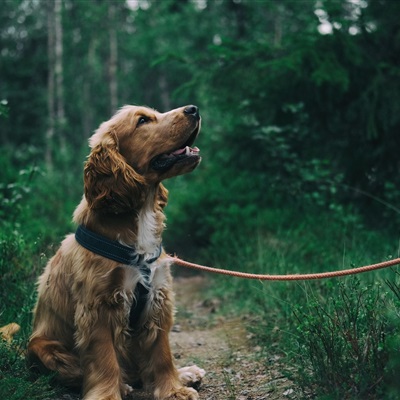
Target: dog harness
[(126, 255)]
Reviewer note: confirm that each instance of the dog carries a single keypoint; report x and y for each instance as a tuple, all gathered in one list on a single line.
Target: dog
[(105, 301)]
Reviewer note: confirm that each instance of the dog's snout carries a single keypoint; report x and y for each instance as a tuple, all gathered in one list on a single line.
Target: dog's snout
[(192, 110)]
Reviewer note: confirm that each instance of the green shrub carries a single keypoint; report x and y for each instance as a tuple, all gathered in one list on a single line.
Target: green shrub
[(343, 341), (338, 336), (393, 366), (17, 276), (35, 212), (15, 381)]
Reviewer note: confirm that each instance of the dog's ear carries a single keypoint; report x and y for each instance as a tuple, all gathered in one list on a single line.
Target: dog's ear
[(111, 185)]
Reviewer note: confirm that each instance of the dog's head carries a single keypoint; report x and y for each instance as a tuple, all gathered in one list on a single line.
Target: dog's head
[(136, 148)]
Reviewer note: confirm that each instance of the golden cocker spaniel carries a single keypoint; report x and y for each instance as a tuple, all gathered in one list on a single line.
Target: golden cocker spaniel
[(105, 303)]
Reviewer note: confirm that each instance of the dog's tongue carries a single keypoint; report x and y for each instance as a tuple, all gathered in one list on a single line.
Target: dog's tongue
[(186, 150), (179, 151)]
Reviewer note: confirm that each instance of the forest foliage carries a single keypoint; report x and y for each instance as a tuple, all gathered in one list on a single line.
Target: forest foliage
[(288, 112), (301, 118)]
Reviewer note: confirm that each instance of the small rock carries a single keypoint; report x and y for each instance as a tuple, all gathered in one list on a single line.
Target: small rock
[(288, 392)]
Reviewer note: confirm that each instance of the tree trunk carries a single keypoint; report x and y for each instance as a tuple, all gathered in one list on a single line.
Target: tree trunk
[(164, 92), (59, 74), (278, 26), (112, 67), (50, 83), (87, 112)]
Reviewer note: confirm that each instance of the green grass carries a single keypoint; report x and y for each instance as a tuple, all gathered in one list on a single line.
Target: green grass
[(35, 212), (16, 383), (342, 346), (17, 295), (340, 336)]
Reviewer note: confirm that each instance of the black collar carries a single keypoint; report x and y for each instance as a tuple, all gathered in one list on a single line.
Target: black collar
[(112, 249)]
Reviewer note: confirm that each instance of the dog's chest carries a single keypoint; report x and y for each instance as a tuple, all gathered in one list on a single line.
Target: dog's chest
[(148, 236), (151, 295)]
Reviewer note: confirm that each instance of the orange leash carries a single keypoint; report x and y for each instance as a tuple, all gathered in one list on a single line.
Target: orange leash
[(290, 277)]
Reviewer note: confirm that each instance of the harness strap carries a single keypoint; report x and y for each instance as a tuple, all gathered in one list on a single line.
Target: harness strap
[(138, 305), (126, 255)]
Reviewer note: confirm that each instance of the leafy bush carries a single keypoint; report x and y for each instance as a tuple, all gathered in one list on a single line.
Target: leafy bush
[(15, 380), (338, 336), (343, 341), (33, 214), (17, 275)]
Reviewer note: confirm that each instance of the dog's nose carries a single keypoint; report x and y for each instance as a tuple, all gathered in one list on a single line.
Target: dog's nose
[(192, 110)]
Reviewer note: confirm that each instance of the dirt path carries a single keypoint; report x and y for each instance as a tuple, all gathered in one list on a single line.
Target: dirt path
[(223, 348)]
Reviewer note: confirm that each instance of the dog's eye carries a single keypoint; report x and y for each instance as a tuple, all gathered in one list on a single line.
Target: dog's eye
[(142, 120)]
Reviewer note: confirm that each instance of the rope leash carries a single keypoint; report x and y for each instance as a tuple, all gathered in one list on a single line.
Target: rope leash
[(290, 277)]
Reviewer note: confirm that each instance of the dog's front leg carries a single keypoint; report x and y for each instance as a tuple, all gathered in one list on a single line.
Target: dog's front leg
[(101, 372), (161, 370)]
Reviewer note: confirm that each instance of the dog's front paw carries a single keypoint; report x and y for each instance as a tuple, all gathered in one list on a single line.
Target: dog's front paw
[(191, 376), (181, 393), (126, 389)]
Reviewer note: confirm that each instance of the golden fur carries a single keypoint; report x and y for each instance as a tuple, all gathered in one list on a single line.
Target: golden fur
[(81, 319)]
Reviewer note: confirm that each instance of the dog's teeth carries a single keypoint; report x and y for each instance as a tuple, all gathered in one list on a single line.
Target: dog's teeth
[(187, 150)]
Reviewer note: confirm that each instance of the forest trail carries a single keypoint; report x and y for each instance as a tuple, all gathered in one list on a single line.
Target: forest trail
[(222, 347)]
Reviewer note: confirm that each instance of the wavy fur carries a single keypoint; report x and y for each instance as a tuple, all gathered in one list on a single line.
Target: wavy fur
[(81, 325)]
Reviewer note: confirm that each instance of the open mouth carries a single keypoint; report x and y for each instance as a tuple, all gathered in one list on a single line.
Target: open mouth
[(184, 153)]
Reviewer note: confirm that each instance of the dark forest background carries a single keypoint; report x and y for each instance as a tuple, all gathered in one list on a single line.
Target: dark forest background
[(300, 101)]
